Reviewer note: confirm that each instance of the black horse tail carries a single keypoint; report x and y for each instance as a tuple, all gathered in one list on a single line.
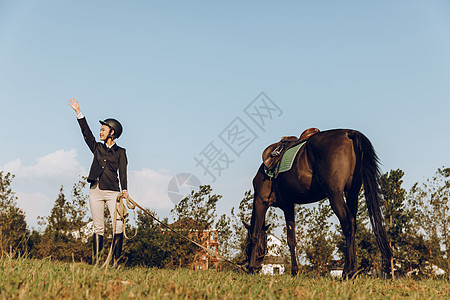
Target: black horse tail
[(370, 171)]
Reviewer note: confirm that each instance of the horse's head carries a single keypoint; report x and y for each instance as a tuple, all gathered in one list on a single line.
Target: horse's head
[(255, 249)]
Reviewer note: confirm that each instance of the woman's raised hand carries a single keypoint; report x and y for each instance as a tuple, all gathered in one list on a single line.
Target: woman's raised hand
[(74, 104)]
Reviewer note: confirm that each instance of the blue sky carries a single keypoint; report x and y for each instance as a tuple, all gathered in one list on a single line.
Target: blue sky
[(177, 74)]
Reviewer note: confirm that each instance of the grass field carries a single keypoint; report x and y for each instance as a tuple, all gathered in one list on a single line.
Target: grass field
[(45, 279)]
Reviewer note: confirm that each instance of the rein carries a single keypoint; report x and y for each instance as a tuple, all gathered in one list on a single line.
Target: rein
[(131, 204)]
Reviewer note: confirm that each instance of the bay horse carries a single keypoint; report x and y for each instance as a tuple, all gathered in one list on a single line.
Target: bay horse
[(331, 164)]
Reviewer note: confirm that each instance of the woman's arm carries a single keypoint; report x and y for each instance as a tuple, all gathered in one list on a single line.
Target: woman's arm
[(75, 105), (87, 133), (123, 162)]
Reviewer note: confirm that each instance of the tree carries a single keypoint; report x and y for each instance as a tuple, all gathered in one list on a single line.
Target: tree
[(78, 208), (319, 246), (152, 246), (199, 206), (441, 195), (195, 215), (65, 235), (13, 227), (431, 214), (424, 228), (397, 217), (224, 234), (68, 215)]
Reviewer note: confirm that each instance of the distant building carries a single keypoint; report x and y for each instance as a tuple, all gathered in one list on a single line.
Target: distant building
[(273, 262), (85, 232), (203, 259), (432, 270), (337, 273)]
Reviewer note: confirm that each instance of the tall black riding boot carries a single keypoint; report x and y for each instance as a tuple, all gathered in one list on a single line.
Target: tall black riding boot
[(117, 250), (97, 242)]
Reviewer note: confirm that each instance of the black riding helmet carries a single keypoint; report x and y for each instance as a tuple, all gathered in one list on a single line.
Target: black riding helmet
[(113, 124)]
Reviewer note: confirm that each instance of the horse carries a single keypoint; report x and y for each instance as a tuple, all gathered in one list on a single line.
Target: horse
[(331, 164)]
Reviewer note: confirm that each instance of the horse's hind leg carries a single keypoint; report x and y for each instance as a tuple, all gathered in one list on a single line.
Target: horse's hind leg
[(289, 215), (348, 224)]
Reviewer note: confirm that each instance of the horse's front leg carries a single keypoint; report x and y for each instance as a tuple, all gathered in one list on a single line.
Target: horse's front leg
[(289, 215), (257, 226)]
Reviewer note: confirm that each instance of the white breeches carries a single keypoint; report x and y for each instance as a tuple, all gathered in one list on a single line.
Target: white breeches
[(97, 200)]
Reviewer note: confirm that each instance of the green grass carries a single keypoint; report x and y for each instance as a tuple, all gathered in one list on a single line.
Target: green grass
[(45, 279)]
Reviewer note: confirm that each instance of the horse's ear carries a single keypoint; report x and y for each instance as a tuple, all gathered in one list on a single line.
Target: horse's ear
[(265, 227), (246, 225)]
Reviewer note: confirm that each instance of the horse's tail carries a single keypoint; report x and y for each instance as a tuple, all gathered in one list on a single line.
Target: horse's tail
[(368, 162)]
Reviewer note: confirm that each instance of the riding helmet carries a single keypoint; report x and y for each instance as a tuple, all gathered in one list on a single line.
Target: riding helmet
[(113, 124)]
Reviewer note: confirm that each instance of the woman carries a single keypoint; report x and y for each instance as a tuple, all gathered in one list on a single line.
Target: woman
[(108, 159)]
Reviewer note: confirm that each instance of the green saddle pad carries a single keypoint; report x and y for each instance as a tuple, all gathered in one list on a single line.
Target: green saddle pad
[(286, 161)]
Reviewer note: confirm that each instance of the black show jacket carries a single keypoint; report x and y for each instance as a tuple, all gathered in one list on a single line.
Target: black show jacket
[(106, 161)]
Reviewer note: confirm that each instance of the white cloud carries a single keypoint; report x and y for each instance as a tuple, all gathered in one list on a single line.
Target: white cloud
[(37, 185), (149, 189), (34, 205), (58, 165)]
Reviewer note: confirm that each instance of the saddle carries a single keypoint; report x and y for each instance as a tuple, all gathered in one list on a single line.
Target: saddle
[(272, 155)]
